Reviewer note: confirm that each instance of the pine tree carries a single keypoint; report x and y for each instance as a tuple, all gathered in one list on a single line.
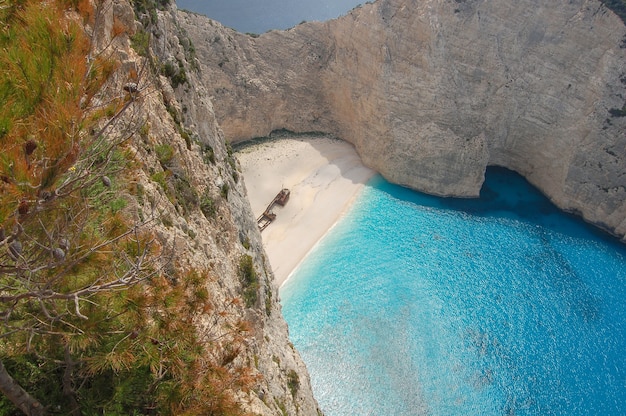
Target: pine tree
[(64, 245), (91, 319)]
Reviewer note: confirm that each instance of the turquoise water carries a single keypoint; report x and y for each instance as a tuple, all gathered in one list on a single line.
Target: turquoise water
[(420, 305)]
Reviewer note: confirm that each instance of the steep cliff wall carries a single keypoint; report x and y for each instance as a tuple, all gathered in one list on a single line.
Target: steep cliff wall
[(191, 183), (432, 92)]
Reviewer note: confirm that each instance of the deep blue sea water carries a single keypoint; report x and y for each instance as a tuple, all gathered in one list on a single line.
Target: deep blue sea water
[(259, 16), (420, 305)]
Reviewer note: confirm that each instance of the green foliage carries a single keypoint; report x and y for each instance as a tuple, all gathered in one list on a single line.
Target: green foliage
[(150, 359), (36, 376), (185, 194), (208, 153), (293, 382), (41, 123), (247, 272), (140, 42), (144, 131), (186, 135), (176, 73), (167, 221), (232, 162), (161, 178), (207, 206), (92, 323), (189, 49), (268, 302), (249, 280), (229, 149), (149, 7), (169, 70), (106, 195), (224, 189), (125, 392), (165, 154), (281, 407), (106, 200), (173, 113), (173, 181), (117, 204)]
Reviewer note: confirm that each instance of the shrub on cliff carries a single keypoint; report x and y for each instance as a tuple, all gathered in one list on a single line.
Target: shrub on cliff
[(249, 280)]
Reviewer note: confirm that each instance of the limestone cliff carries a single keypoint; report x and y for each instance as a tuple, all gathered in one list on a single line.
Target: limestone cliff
[(431, 92), (190, 183)]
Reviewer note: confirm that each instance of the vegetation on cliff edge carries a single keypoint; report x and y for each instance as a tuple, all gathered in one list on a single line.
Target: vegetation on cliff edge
[(94, 317)]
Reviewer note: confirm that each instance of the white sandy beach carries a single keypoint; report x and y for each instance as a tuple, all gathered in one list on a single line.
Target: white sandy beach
[(324, 176)]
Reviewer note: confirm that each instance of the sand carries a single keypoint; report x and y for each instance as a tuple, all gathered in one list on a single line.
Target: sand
[(324, 176)]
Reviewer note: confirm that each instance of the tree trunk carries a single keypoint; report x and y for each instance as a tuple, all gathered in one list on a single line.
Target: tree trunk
[(68, 389), (18, 396)]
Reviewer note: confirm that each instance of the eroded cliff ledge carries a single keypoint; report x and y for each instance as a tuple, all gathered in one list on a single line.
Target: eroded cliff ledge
[(431, 92)]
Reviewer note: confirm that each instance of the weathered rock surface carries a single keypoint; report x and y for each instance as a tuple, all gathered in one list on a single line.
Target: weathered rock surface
[(177, 114), (431, 92)]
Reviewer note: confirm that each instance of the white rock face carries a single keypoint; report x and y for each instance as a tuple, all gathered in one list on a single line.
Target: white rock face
[(202, 169), (431, 92)]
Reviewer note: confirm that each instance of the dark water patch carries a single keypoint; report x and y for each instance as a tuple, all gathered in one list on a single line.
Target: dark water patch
[(506, 194)]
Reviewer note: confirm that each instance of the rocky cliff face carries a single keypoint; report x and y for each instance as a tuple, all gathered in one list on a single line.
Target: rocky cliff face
[(190, 183), (431, 92)]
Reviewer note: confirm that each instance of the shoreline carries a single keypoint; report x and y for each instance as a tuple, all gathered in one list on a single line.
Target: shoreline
[(324, 176), (345, 209)]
